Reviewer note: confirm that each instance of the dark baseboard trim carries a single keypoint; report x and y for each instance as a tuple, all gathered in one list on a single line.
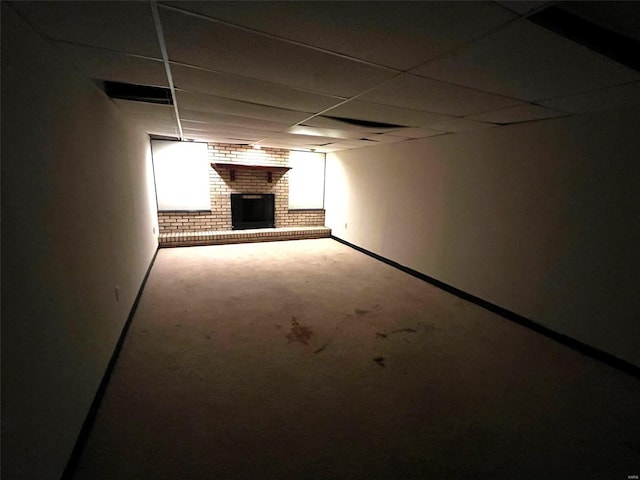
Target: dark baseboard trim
[(87, 425), (577, 345)]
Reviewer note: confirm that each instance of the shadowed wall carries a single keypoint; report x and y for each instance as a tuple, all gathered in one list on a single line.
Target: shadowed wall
[(539, 218), (78, 213)]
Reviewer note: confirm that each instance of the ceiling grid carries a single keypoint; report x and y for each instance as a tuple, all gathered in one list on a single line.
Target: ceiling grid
[(328, 76)]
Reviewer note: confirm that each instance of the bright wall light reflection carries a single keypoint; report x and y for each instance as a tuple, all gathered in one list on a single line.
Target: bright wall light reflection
[(182, 175)]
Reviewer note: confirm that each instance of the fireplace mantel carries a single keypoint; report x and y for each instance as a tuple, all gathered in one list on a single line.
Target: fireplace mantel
[(235, 166)]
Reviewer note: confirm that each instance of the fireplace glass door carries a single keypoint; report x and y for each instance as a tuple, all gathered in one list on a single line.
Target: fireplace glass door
[(252, 210)]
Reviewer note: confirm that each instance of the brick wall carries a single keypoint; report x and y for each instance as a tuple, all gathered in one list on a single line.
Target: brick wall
[(246, 181)]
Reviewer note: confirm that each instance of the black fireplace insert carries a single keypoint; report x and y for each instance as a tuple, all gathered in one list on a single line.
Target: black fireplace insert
[(252, 210)]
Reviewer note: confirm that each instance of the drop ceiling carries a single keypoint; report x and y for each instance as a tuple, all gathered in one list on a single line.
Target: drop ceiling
[(329, 76)]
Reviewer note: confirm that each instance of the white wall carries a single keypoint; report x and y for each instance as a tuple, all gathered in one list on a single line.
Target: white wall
[(78, 213), (540, 218)]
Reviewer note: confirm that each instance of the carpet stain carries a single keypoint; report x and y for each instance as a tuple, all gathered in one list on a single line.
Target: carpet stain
[(279, 327), (401, 330), (336, 332), (360, 311), (407, 330), (379, 361), (299, 333), (322, 347)]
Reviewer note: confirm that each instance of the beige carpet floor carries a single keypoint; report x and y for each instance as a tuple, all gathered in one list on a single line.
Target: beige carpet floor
[(309, 360)]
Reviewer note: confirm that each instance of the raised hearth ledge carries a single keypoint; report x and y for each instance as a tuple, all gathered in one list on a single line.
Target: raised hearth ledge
[(220, 237)]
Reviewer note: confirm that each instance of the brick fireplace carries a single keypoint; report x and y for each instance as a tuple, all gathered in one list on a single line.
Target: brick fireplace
[(225, 178)]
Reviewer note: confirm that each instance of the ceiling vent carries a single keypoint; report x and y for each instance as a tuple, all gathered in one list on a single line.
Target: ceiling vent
[(138, 93), (606, 42)]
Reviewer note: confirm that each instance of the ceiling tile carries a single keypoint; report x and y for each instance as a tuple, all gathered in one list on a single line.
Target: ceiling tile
[(336, 123), (249, 90), (416, 132), (324, 132), (398, 35), (332, 148), (613, 98), (230, 130), (116, 67), (121, 26), (521, 113), (221, 119), (223, 139), (524, 7), (191, 133), (337, 147), (461, 125), (377, 112), (414, 92), (301, 139), (217, 47), (356, 143), (211, 138), (288, 146), (387, 138), (528, 62), (211, 103)]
